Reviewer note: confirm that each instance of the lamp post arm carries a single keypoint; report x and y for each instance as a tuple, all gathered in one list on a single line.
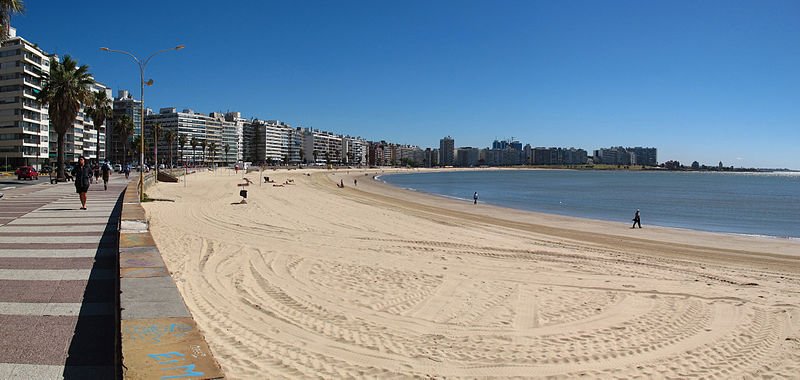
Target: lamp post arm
[(144, 63)]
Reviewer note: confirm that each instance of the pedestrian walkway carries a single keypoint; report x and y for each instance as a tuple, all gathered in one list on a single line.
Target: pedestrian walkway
[(58, 282)]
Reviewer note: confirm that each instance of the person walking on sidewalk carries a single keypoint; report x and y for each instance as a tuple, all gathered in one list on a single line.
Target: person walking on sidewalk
[(106, 174), (82, 174), (636, 220)]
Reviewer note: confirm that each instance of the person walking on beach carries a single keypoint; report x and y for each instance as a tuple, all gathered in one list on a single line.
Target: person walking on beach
[(82, 174), (636, 220), (355, 182), (475, 198), (106, 174)]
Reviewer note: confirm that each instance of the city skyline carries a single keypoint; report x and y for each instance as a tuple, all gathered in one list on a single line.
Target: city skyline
[(708, 82)]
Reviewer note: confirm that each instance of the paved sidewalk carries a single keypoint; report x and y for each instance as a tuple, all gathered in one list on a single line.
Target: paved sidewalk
[(58, 282)]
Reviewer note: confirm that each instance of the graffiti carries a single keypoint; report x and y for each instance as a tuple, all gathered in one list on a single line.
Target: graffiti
[(155, 333), (172, 358)]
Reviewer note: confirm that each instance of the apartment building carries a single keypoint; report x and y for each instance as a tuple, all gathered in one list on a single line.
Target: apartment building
[(117, 146), (24, 125), (208, 130), (447, 151), (321, 147)]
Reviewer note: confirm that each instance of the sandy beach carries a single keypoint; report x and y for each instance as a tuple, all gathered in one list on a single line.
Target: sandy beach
[(308, 280)]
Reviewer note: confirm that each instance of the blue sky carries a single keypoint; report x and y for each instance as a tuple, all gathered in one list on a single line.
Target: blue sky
[(700, 80)]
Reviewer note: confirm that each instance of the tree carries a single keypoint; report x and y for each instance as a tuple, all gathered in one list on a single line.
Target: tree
[(182, 143), (695, 165), (212, 150), (65, 88), (203, 149), (193, 143), (137, 146), (7, 8), (227, 148), (156, 140), (123, 128), (169, 137), (99, 110)]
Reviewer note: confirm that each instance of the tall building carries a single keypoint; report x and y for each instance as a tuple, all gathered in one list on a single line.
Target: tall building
[(124, 104), (447, 148), (467, 157), (354, 150), (87, 138), (206, 130), (24, 124), (618, 155), (272, 142), (321, 147), (559, 156), (232, 138)]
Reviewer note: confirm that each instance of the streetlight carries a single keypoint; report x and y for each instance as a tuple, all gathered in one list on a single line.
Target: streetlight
[(142, 66)]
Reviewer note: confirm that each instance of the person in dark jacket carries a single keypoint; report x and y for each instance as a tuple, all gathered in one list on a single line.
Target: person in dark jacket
[(637, 219), (82, 172), (106, 169)]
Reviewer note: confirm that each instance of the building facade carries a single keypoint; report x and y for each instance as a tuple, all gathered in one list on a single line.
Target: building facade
[(118, 146), (24, 123), (447, 148), (207, 132)]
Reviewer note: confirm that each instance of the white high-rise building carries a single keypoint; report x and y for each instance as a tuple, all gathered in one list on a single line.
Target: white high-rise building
[(213, 130), (24, 124)]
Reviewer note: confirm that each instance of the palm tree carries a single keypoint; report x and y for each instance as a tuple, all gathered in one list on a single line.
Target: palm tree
[(99, 110), (123, 128), (137, 146), (227, 148), (169, 136), (8, 7), (182, 143), (156, 140), (65, 88), (203, 149), (212, 150), (193, 143)]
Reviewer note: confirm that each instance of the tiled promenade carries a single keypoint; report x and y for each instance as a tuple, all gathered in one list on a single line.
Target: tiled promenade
[(58, 282)]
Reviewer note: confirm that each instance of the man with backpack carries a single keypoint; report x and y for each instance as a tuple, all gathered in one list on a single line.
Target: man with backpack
[(106, 169)]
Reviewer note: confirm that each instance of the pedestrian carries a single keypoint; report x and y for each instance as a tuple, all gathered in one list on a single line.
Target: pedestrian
[(475, 198), (96, 173), (82, 174), (127, 170), (355, 182), (106, 168), (636, 220), (236, 168)]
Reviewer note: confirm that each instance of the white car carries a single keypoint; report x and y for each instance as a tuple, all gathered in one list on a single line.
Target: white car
[(118, 168)]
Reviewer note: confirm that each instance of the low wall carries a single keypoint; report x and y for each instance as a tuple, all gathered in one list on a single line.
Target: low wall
[(159, 338)]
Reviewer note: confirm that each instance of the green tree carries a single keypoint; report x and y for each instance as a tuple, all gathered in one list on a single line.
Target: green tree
[(169, 137), (123, 128), (156, 141), (7, 8), (193, 143), (99, 110), (227, 148), (203, 149), (212, 151), (65, 89), (182, 143)]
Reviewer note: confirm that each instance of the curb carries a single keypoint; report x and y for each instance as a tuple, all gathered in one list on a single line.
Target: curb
[(159, 338)]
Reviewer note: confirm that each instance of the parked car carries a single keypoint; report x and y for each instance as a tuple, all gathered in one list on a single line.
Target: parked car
[(118, 168), (27, 172), (46, 170)]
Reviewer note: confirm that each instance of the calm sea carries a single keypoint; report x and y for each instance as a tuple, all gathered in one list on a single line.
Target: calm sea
[(741, 203)]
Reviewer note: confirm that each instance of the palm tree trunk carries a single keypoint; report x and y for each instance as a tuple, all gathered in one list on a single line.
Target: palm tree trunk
[(60, 158)]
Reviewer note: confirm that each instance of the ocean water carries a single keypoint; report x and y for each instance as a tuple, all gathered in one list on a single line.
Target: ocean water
[(741, 203)]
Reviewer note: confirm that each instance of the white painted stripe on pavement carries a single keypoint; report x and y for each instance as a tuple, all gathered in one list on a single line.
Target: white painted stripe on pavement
[(39, 230), (45, 238), (23, 220), (45, 253), (58, 309), (55, 274), (31, 371)]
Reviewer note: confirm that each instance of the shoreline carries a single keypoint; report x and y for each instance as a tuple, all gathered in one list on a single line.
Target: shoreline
[(598, 219), (311, 280)]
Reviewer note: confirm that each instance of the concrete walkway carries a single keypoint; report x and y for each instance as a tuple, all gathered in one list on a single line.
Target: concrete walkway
[(58, 282)]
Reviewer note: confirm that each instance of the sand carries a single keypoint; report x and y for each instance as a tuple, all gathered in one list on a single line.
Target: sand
[(309, 280)]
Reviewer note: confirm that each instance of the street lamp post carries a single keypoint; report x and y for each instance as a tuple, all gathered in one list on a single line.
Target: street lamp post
[(142, 65)]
